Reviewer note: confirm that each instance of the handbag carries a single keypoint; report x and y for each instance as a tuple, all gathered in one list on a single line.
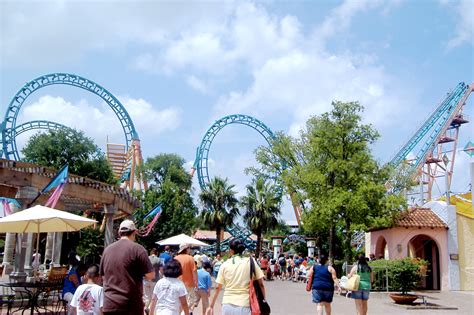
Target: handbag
[(258, 304), (353, 283), (309, 284)]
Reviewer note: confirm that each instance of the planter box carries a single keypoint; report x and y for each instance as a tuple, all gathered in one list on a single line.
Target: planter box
[(403, 298)]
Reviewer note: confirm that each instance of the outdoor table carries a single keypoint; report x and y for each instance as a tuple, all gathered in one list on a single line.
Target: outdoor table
[(33, 290)]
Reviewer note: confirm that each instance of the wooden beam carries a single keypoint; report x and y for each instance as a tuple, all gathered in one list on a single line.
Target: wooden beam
[(90, 194)]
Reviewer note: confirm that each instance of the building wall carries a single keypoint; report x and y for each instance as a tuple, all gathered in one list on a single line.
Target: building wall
[(397, 244), (466, 251)]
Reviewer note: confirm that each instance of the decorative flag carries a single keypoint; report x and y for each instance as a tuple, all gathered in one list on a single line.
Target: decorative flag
[(153, 211), (58, 182), (469, 149), (6, 205), (156, 212), (60, 178)]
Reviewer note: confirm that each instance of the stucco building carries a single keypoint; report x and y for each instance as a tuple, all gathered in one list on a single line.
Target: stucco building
[(440, 233)]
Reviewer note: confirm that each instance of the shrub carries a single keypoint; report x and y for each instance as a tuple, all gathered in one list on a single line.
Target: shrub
[(403, 274)]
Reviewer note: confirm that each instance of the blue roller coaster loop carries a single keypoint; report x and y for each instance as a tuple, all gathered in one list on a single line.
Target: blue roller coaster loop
[(8, 126), (38, 124), (201, 164), (435, 123), (202, 152)]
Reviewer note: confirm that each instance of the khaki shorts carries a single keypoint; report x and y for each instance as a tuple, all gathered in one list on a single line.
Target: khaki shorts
[(191, 298)]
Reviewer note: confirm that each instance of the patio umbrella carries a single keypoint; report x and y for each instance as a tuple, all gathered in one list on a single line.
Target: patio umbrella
[(41, 219), (181, 239)]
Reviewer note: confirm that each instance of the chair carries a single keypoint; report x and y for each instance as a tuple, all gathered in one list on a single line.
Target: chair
[(55, 279), (7, 298)]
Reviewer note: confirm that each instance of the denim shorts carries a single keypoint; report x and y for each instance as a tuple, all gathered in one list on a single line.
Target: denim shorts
[(322, 296), (360, 294)]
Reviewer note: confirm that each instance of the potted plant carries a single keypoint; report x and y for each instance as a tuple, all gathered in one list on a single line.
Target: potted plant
[(404, 275)]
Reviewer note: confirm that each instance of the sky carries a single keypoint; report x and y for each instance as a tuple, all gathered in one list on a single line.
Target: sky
[(177, 66)]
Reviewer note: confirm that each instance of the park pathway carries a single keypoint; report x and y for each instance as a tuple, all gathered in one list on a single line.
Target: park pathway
[(290, 298)]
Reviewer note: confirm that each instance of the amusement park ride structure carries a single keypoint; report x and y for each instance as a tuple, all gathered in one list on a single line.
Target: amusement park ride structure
[(434, 144), (123, 168)]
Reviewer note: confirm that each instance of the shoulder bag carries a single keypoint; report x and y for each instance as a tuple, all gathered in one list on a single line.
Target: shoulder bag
[(353, 282), (258, 304)]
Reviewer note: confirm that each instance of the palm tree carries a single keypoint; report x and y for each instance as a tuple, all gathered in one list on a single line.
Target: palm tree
[(262, 204), (220, 206)]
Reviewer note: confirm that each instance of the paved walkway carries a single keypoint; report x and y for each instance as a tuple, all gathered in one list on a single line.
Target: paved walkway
[(290, 298)]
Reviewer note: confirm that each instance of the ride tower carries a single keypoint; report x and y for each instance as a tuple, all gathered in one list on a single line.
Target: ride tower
[(430, 154)]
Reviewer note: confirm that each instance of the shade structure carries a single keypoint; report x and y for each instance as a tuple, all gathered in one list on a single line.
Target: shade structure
[(40, 219), (181, 239)]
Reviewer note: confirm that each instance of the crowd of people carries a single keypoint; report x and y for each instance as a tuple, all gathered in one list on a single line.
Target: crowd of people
[(129, 281)]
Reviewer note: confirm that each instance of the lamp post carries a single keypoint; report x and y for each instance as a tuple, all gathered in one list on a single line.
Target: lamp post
[(276, 242), (311, 244)]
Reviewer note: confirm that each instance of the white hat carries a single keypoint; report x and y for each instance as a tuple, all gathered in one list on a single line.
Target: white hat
[(183, 247), (127, 226)]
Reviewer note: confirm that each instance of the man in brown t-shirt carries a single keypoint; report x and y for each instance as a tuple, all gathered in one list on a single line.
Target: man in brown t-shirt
[(122, 267), (189, 276)]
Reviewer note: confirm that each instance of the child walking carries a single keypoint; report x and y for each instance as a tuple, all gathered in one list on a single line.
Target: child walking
[(89, 297), (169, 295), (204, 286)]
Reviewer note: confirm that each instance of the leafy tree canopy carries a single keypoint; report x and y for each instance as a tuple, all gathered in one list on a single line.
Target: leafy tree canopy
[(58, 147), (262, 207), (167, 166), (331, 166), (220, 206), (170, 187)]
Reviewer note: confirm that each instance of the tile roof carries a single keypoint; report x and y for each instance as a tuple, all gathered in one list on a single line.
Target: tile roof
[(420, 218)]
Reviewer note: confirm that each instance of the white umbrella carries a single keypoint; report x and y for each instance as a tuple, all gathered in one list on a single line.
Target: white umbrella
[(40, 219), (181, 239)]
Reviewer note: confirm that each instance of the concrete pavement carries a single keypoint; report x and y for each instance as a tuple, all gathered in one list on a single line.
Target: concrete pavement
[(290, 298)]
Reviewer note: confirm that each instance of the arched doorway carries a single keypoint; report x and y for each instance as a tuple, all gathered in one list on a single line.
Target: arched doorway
[(381, 249), (424, 247)]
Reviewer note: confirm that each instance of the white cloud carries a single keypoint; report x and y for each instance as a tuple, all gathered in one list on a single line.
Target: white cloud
[(248, 37), (64, 31), (302, 84), (465, 24), (99, 122), (197, 84)]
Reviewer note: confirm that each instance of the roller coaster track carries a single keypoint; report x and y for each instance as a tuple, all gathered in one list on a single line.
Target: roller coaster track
[(428, 144), (8, 127), (38, 124), (9, 130), (201, 163)]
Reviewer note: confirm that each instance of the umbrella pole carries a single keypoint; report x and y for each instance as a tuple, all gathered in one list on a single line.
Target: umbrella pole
[(37, 259)]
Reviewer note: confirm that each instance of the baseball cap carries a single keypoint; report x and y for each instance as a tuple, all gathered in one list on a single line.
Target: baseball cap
[(127, 226)]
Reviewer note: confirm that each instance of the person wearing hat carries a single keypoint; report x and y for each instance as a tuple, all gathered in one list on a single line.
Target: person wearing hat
[(123, 266), (189, 276)]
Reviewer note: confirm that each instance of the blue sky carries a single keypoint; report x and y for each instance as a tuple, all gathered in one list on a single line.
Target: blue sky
[(178, 66)]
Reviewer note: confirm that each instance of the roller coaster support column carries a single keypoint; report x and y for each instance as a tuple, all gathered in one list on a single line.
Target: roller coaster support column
[(296, 207), (472, 182)]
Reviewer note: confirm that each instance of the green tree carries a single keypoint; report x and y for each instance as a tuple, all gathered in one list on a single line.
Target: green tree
[(58, 147), (220, 207), (330, 166), (170, 185), (341, 178), (262, 208)]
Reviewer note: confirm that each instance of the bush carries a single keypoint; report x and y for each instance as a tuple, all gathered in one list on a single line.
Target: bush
[(403, 274)]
